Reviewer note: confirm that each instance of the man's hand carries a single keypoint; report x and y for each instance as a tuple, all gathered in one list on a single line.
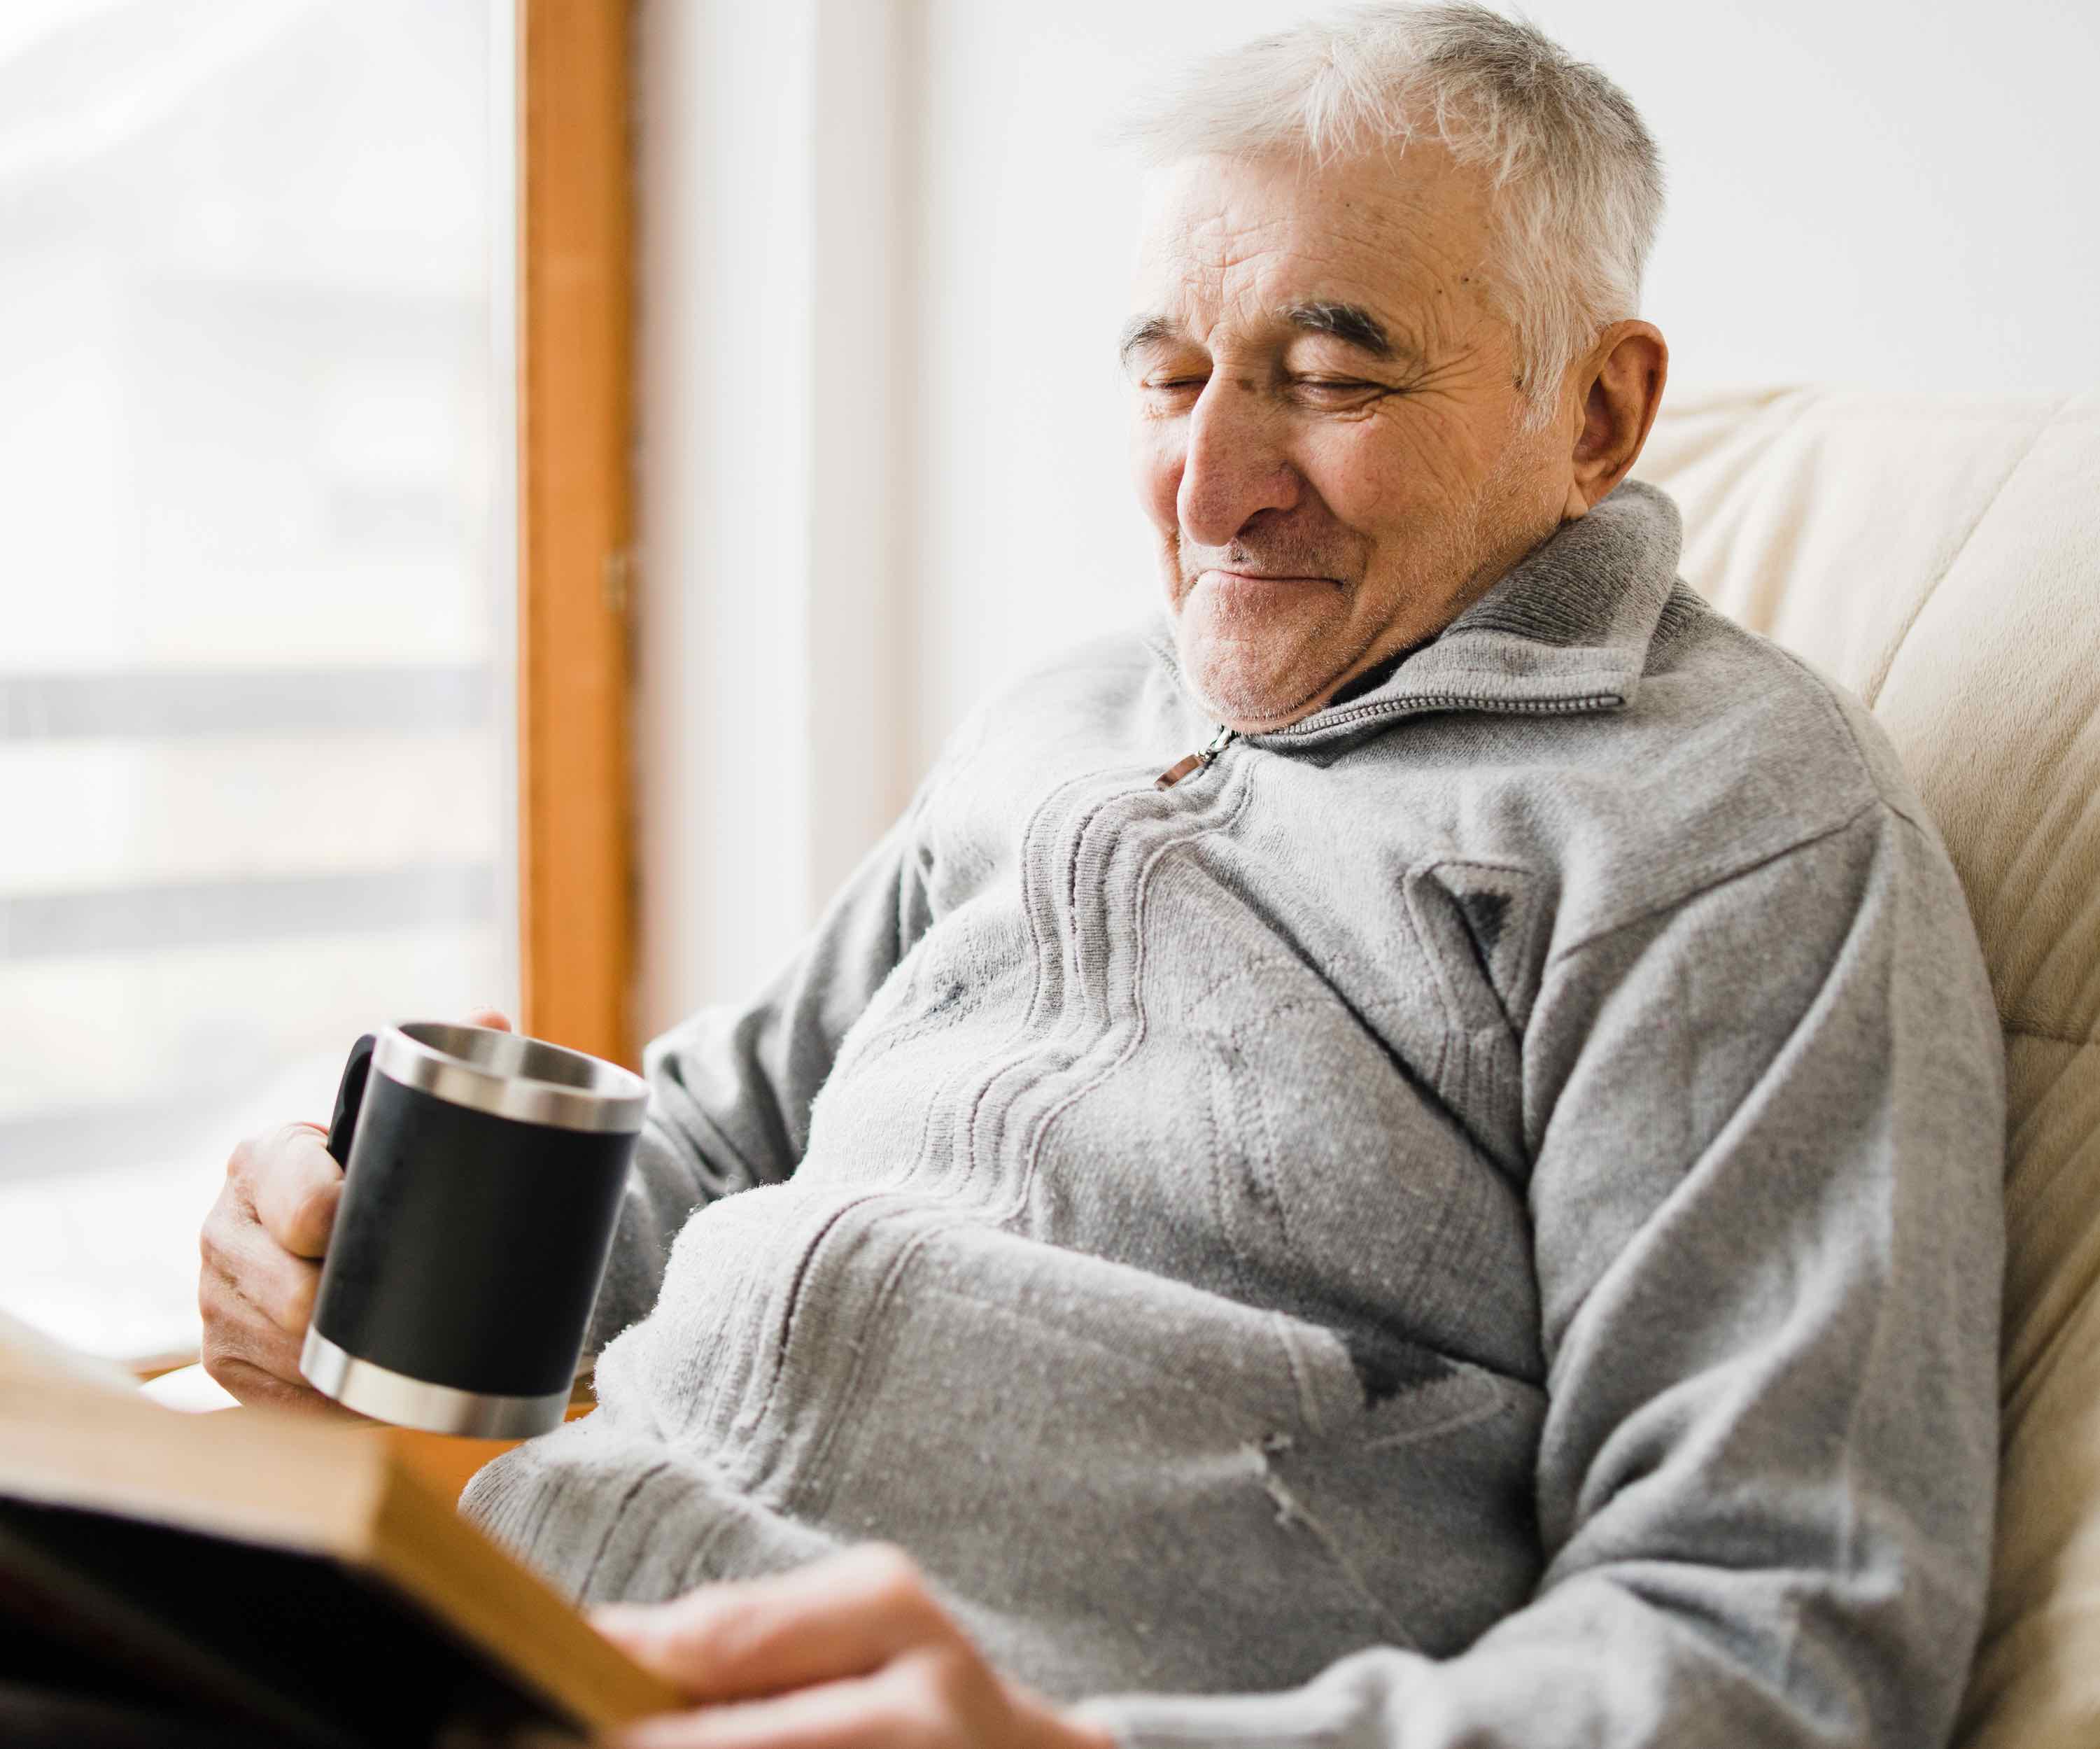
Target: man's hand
[(261, 1244), (850, 1652)]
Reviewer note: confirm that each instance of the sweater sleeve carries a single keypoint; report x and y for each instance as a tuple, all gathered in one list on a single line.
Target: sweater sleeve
[(730, 1090), (1767, 1134)]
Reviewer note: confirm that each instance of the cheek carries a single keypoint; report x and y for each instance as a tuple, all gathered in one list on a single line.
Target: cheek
[(1365, 476), (1156, 451), (1387, 475)]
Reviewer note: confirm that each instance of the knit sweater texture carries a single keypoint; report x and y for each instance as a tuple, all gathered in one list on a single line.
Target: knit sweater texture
[(1470, 1220)]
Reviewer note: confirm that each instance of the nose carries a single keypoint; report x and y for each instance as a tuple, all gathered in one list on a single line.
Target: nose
[(1234, 466)]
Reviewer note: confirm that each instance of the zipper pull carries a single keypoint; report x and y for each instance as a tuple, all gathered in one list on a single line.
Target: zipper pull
[(1196, 761)]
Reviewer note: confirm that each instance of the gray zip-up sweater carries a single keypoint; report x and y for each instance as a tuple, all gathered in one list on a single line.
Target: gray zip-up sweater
[(1471, 1220)]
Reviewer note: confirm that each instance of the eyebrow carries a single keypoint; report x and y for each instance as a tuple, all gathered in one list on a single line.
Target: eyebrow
[(1142, 333), (1349, 323)]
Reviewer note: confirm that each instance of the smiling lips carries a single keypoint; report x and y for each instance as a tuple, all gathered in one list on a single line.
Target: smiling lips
[(1259, 576), (1256, 591)]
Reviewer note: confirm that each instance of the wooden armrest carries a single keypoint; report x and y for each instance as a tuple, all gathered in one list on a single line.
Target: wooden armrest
[(441, 1459), (147, 1367)]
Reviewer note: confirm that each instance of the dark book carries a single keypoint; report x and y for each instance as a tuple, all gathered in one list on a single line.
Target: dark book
[(248, 1577)]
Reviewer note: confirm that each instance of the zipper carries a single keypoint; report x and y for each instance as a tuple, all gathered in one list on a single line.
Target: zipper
[(1422, 704), (1198, 761), (1202, 759)]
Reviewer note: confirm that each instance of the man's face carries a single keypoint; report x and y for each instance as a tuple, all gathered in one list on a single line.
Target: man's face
[(1329, 436)]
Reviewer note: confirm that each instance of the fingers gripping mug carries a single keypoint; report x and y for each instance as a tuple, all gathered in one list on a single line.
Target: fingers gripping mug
[(483, 1176)]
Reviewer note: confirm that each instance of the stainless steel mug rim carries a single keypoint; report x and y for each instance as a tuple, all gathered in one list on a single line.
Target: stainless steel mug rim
[(388, 1396), (507, 1076)]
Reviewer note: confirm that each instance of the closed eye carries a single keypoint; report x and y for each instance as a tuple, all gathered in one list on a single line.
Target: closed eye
[(1163, 395), (1339, 391)]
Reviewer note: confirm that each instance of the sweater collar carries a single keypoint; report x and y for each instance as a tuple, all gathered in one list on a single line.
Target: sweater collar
[(1567, 629)]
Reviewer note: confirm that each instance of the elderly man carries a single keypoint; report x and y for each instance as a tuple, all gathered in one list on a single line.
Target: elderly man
[(1411, 1160)]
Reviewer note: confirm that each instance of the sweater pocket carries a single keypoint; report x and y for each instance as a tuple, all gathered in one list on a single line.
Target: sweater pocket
[(1123, 1481), (1481, 926), (1482, 922), (1420, 1467)]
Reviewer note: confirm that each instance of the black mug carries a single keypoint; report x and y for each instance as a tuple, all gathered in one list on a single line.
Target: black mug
[(482, 1177)]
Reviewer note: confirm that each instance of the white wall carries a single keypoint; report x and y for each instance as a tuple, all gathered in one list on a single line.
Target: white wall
[(770, 639), (1885, 194)]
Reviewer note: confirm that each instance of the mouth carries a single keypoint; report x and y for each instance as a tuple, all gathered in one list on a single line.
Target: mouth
[(1260, 595), (1218, 576)]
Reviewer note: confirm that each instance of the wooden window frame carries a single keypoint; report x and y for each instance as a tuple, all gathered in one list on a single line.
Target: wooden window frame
[(575, 281)]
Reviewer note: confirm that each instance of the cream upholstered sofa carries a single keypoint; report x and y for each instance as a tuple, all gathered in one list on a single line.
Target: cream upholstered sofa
[(1941, 557)]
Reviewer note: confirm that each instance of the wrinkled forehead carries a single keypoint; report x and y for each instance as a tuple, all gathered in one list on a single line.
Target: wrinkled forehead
[(1403, 233)]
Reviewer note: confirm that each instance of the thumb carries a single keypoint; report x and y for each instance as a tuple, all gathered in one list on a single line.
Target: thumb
[(494, 1018)]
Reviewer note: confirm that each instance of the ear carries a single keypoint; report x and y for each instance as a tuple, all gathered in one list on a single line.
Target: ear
[(1620, 387)]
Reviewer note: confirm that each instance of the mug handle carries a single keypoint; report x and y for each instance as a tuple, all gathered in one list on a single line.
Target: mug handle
[(349, 1098)]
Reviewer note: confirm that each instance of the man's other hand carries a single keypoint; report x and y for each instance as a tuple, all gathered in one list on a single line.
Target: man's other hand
[(850, 1653), (261, 1245)]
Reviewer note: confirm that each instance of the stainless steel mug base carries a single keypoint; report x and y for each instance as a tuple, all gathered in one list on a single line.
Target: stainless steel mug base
[(394, 1397)]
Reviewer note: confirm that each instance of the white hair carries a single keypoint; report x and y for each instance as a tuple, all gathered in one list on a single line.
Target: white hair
[(1576, 180)]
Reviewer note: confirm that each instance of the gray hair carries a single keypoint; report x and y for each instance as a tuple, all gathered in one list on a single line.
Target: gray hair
[(1577, 178)]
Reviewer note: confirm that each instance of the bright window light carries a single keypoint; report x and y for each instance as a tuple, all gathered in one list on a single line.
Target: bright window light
[(254, 714)]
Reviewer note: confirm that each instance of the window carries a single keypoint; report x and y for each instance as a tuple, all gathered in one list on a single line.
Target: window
[(255, 670)]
